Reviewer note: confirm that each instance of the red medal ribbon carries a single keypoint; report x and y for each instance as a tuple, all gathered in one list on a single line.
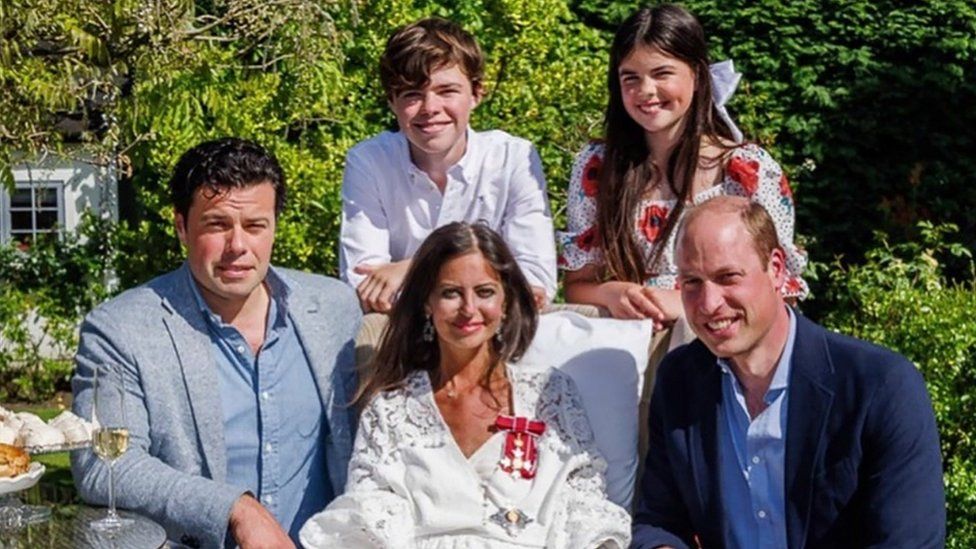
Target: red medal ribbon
[(520, 452)]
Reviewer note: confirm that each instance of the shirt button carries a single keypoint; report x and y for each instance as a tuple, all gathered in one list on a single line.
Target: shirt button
[(240, 349), (762, 514), (266, 499), (755, 459), (268, 447), (265, 395)]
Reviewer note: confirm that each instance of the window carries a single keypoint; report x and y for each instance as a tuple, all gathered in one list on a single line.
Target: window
[(33, 208)]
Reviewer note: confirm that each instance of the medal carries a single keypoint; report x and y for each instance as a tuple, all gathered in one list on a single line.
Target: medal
[(519, 455)]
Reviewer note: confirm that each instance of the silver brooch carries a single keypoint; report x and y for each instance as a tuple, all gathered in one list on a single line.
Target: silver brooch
[(512, 520)]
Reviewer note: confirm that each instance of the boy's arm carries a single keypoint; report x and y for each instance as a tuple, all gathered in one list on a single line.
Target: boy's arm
[(528, 228), (364, 238)]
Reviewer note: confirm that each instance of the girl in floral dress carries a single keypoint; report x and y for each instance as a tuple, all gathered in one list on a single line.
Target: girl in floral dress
[(668, 146)]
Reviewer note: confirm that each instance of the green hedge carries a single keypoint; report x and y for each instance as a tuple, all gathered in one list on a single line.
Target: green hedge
[(899, 299), (868, 104)]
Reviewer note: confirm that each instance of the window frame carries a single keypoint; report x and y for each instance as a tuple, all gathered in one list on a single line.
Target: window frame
[(7, 233)]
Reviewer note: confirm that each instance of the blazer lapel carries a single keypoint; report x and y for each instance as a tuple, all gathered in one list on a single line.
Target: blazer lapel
[(304, 314), (809, 409), (703, 443), (191, 340)]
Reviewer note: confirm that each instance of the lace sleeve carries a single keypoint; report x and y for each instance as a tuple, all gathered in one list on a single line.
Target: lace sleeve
[(578, 242), (373, 512), (759, 177), (586, 518)]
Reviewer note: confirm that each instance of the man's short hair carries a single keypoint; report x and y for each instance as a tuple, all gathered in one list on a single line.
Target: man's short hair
[(221, 165), (418, 49), (754, 217)]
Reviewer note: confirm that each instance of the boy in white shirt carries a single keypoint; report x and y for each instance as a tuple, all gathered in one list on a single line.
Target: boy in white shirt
[(400, 186)]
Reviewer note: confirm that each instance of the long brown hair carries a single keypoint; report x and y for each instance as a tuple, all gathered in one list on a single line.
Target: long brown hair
[(402, 348), (627, 170)]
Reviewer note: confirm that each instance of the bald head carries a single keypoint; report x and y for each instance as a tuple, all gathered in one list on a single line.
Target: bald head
[(754, 218)]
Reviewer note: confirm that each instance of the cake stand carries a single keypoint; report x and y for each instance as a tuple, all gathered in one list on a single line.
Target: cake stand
[(13, 513)]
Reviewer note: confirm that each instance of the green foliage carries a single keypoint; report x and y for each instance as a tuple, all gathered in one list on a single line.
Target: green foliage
[(36, 346), (899, 299), (310, 111), (44, 291), (867, 103)]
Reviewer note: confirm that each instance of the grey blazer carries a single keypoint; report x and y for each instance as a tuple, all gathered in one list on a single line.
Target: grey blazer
[(176, 466)]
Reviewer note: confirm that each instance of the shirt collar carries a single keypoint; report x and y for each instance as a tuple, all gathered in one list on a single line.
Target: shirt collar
[(462, 171), (781, 377)]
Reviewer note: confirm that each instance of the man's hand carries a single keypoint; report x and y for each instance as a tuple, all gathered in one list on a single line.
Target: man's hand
[(253, 527), (378, 291)]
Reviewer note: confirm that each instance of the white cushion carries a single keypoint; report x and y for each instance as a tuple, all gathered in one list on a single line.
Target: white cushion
[(606, 358)]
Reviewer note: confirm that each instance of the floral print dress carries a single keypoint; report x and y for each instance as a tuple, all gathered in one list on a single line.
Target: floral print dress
[(750, 172)]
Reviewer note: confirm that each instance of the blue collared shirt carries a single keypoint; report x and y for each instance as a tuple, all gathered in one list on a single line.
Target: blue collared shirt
[(752, 458), (274, 424)]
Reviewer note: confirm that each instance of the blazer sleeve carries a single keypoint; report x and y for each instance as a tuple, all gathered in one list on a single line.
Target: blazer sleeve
[(194, 510), (902, 470), (661, 518)]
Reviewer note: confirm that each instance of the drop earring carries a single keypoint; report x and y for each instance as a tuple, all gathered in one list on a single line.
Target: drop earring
[(428, 332)]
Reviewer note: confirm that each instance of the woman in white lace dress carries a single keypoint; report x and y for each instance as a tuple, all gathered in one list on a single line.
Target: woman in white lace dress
[(456, 446)]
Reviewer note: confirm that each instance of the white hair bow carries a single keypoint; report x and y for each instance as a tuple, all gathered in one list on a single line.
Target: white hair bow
[(724, 82)]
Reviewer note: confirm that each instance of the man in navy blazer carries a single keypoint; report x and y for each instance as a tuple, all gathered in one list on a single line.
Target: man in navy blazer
[(770, 431)]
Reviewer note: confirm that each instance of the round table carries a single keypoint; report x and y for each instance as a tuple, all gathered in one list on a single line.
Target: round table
[(68, 528)]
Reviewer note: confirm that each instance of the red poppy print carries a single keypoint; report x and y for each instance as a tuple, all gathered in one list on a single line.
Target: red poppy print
[(591, 175), (784, 187), (587, 239), (792, 286), (745, 173), (653, 221)]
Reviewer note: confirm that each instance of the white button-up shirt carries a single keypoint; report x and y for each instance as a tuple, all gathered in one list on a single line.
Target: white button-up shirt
[(389, 206)]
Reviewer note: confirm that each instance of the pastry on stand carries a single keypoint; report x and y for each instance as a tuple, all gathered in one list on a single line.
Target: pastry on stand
[(18, 473)]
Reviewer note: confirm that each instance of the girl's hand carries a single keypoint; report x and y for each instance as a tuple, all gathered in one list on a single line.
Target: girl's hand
[(667, 304), (628, 300)]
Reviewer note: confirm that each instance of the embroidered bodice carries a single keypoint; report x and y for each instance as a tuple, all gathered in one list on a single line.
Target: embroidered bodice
[(410, 485)]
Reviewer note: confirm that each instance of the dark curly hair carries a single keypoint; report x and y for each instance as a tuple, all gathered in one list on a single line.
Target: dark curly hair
[(223, 164)]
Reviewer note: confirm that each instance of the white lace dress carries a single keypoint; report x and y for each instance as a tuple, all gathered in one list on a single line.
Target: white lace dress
[(411, 487)]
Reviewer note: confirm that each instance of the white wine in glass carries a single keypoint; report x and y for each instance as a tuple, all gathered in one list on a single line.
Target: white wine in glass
[(110, 443), (110, 438)]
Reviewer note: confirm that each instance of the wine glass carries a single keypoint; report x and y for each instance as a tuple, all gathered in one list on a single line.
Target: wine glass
[(110, 438)]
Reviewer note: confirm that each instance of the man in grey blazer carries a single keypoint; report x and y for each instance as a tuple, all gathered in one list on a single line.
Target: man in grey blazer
[(236, 374)]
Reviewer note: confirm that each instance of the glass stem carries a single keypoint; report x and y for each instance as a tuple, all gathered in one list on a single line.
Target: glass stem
[(111, 491)]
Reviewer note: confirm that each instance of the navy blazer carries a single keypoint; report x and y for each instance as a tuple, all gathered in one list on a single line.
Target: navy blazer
[(863, 466)]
